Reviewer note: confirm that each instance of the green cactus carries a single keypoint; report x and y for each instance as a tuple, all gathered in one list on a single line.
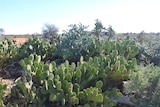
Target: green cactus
[(44, 91), (99, 84), (99, 98), (78, 74), (81, 83), (58, 85), (2, 89), (52, 97), (8, 52)]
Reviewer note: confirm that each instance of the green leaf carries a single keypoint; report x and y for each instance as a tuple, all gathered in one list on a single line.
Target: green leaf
[(82, 95), (63, 101), (99, 98), (38, 58), (78, 73), (50, 67), (29, 68), (74, 100), (22, 63), (53, 65), (52, 97), (68, 77), (99, 84), (31, 57), (43, 91), (81, 59), (76, 88), (46, 67), (51, 76), (46, 84), (43, 76), (30, 47), (134, 61), (58, 85)]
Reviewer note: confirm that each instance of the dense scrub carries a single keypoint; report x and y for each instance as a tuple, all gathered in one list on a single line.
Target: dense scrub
[(81, 70), (143, 88)]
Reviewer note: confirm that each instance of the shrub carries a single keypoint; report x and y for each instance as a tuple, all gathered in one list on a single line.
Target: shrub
[(70, 84), (145, 86), (75, 43)]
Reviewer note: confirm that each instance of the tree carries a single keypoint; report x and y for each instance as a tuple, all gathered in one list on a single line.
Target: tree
[(1, 31), (50, 32), (111, 32), (98, 28)]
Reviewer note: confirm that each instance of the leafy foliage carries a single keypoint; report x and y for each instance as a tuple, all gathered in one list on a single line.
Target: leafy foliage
[(70, 84), (144, 85), (91, 74), (74, 43), (111, 32), (98, 28)]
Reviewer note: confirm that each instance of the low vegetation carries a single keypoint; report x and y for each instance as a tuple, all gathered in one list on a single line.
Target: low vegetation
[(82, 69)]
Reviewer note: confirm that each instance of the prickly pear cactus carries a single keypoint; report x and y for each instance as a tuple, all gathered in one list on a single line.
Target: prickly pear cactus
[(63, 85), (8, 52), (85, 83), (37, 46)]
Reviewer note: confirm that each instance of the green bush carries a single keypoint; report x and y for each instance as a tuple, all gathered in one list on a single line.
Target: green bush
[(145, 85), (93, 70), (76, 42)]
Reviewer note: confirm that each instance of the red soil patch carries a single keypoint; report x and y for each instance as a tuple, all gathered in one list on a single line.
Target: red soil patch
[(20, 41)]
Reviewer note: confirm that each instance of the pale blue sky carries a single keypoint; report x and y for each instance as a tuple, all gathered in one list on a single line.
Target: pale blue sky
[(28, 16)]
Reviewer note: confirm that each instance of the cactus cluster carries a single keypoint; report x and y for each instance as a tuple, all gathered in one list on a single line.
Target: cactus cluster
[(101, 67), (8, 52), (37, 46), (126, 48), (81, 70), (73, 46), (81, 84)]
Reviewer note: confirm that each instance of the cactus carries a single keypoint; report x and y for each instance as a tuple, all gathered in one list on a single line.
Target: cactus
[(83, 84), (99, 84), (8, 52), (2, 89), (37, 46)]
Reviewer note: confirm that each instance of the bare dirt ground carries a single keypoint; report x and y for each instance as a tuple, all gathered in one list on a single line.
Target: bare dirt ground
[(20, 41), (6, 81)]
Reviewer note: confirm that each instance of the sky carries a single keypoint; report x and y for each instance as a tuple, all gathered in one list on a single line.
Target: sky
[(29, 16)]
